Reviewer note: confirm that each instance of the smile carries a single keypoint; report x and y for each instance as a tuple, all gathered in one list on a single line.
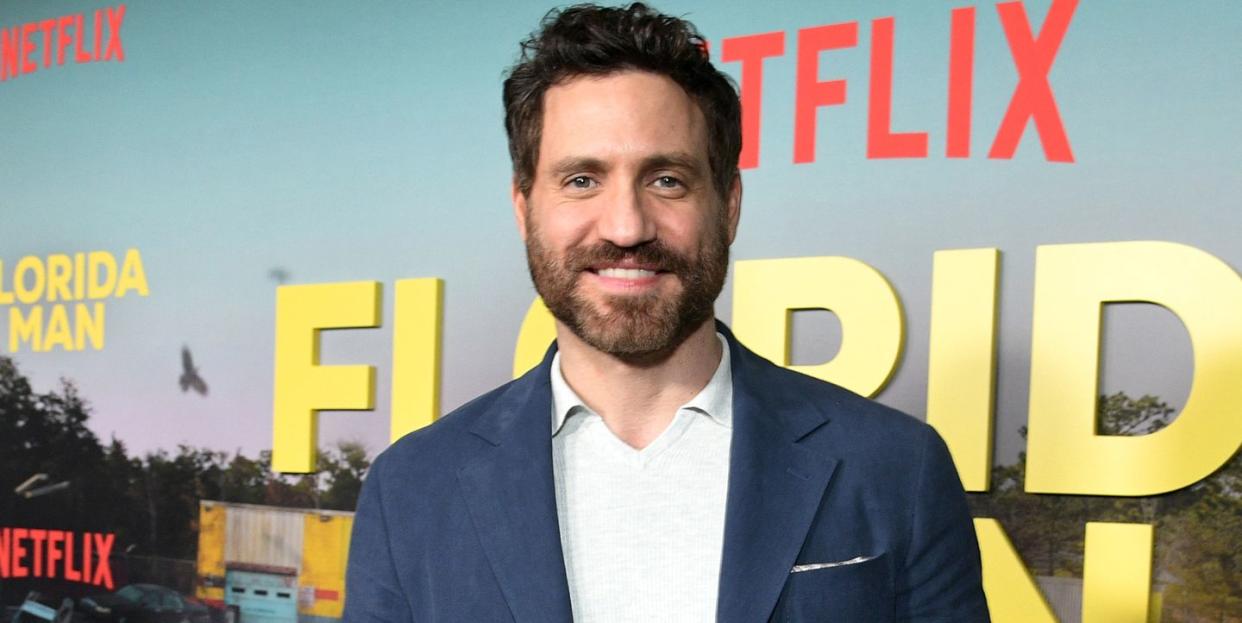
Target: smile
[(626, 273), (626, 279)]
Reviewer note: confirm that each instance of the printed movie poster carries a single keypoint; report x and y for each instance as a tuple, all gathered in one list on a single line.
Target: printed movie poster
[(246, 245)]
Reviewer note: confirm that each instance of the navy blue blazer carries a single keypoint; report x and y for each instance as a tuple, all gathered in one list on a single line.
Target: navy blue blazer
[(457, 521)]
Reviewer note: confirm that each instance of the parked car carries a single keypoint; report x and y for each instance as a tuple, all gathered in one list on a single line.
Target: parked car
[(145, 603), (38, 609)]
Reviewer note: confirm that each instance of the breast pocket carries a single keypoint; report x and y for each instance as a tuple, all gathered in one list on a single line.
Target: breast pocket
[(857, 591)]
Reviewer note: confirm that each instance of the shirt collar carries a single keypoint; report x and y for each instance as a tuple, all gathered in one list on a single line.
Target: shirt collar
[(715, 399)]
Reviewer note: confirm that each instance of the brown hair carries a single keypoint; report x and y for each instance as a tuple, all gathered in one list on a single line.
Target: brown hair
[(587, 39)]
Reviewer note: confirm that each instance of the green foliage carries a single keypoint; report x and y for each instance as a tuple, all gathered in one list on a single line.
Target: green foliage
[(345, 468), (150, 502), (1197, 560), (1120, 414)]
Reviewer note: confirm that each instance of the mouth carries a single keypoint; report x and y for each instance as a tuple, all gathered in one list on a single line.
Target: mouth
[(625, 273), (627, 277)]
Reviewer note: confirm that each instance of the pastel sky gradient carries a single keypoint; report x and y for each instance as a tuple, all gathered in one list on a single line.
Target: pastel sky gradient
[(342, 143)]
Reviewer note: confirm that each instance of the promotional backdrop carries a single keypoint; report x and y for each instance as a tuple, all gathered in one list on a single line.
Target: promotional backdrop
[(167, 167)]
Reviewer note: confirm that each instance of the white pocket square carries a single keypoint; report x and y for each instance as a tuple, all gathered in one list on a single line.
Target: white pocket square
[(828, 565)]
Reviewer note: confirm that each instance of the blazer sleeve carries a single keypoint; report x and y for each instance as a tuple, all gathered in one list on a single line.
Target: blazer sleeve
[(372, 593), (943, 576)]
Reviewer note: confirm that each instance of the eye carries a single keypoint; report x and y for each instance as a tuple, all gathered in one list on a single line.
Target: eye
[(669, 186), (580, 182), (667, 181)]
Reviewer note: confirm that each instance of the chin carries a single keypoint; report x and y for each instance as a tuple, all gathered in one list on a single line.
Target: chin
[(636, 338)]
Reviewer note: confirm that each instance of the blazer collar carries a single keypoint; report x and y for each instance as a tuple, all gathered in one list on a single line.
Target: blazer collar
[(509, 490), (775, 487)]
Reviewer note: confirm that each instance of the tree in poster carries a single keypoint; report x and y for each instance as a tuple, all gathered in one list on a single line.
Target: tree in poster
[(150, 502), (1197, 559)]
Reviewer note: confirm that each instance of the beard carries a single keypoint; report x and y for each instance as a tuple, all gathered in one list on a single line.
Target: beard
[(632, 327)]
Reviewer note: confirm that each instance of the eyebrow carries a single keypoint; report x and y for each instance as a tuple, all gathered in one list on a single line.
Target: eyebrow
[(676, 160), (574, 164)]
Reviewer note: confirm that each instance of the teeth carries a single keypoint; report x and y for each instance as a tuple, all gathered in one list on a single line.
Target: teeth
[(626, 273)]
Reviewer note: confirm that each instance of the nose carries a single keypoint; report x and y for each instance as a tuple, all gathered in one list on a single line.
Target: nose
[(625, 219)]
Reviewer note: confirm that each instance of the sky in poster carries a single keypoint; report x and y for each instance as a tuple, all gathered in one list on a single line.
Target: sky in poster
[(340, 143)]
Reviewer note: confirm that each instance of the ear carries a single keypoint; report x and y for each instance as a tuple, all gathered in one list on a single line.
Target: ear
[(519, 207), (733, 205)]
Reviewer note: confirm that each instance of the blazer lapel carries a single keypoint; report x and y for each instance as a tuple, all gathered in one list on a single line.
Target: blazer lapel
[(775, 487), (509, 490)]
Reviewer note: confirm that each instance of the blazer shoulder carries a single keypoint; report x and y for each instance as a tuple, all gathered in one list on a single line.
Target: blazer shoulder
[(852, 415), (446, 440), (892, 455)]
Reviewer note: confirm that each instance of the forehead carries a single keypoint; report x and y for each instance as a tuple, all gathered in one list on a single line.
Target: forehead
[(630, 114)]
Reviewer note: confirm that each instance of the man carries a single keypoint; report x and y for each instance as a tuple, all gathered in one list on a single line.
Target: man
[(652, 468)]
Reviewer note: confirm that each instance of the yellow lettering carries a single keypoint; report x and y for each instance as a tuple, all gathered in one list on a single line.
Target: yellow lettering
[(1010, 589), (133, 276), (34, 266), (1072, 282), (961, 370), (302, 386), (88, 324), (418, 324), (537, 332), (58, 333), (766, 292), (79, 276), (28, 329), (102, 264), (1116, 573), (59, 272), (6, 297)]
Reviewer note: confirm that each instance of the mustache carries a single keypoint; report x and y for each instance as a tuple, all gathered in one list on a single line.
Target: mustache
[(652, 253)]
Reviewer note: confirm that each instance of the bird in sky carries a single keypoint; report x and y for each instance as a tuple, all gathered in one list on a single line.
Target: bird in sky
[(190, 378)]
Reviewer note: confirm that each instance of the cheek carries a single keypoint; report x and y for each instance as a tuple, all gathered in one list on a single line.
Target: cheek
[(690, 233), (560, 243), (560, 227)]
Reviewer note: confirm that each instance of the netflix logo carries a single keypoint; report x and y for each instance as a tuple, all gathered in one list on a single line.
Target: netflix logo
[(1032, 101), (56, 554), (79, 37)]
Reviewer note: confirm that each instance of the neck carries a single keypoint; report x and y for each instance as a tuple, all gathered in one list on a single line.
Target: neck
[(637, 401)]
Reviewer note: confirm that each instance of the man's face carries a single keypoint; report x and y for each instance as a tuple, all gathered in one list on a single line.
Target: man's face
[(626, 237)]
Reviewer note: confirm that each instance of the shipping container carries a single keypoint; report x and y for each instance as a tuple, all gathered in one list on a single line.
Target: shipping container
[(273, 565)]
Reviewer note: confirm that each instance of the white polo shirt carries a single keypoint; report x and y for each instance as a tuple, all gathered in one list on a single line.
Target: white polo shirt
[(642, 530)]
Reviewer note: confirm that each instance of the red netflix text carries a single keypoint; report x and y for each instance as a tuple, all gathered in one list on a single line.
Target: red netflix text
[(1032, 53), (80, 37), (56, 554)]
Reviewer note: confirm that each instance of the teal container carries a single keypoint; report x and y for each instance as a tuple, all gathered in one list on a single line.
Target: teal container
[(262, 597)]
